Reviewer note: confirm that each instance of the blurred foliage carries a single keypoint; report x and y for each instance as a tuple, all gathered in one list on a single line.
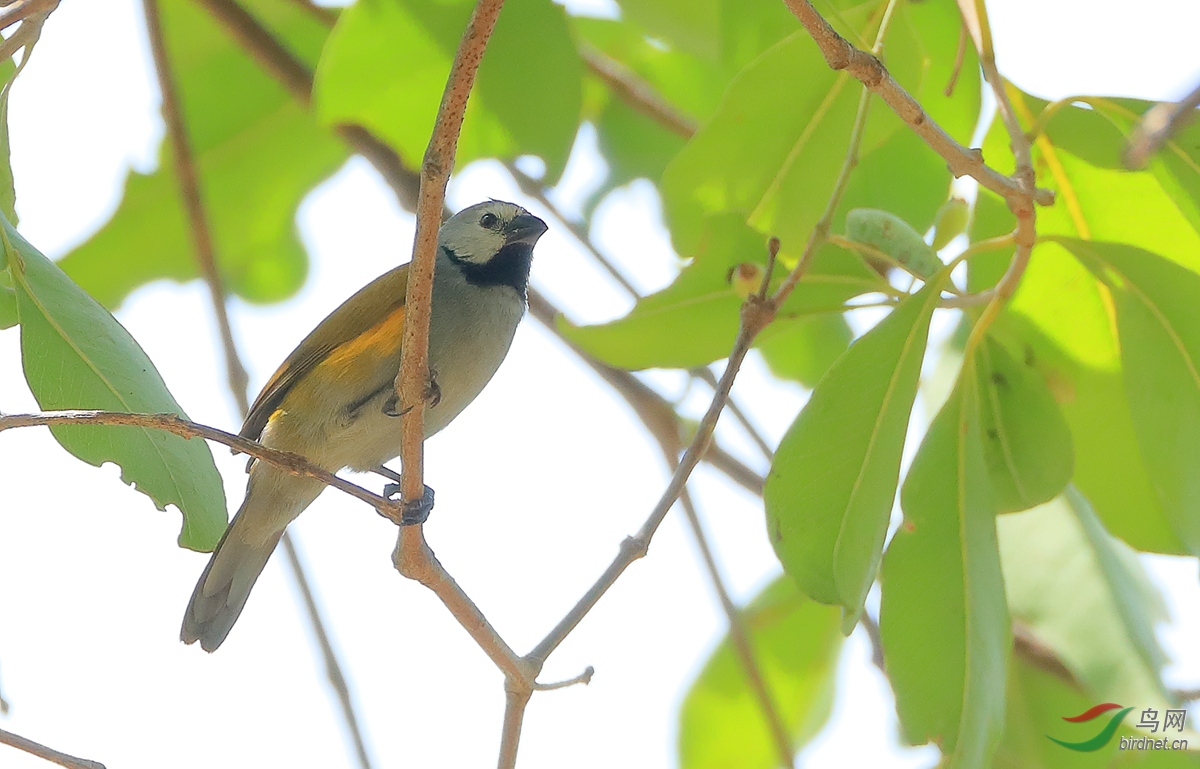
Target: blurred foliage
[(1071, 432)]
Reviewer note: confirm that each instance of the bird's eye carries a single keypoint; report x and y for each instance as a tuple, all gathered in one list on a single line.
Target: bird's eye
[(489, 221)]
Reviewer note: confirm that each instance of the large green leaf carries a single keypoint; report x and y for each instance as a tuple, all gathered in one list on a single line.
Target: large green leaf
[(780, 182), (805, 349), (943, 617), (1040, 698), (1096, 198), (386, 64), (1027, 444), (693, 321), (1084, 597), (256, 151), (829, 493), (1059, 324), (1158, 319), (77, 356), (796, 644)]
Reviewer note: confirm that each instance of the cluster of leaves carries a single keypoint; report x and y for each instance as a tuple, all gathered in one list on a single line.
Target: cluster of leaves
[(1070, 429)]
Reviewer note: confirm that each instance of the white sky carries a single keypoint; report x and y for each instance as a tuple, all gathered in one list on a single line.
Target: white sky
[(537, 483)]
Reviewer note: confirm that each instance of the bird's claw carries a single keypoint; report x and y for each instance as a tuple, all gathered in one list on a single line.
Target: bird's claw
[(416, 511), (433, 396)]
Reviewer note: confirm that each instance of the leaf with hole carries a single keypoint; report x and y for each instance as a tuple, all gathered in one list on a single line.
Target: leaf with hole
[(77, 356)]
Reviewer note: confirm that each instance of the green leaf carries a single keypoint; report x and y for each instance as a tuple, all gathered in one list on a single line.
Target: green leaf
[(829, 493), (693, 321), (8, 193), (77, 356), (1085, 597), (8, 298), (805, 349), (1096, 199), (1027, 444), (386, 64), (780, 182), (1059, 324), (256, 151), (796, 644), (1158, 320), (943, 617), (1037, 702)]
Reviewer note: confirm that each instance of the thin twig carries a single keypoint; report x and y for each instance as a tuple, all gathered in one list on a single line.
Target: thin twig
[(177, 425), (297, 80), (24, 9), (326, 16), (872, 627), (1157, 126), (654, 411), (705, 375), (237, 378), (515, 701), (1022, 205), (636, 92), (840, 54), (533, 189), (189, 191), (742, 647), (412, 381), (333, 668), (49, 754)]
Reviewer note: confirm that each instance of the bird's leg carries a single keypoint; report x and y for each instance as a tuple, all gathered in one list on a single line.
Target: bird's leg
[(415, 511), (433, 396), (389, 488)]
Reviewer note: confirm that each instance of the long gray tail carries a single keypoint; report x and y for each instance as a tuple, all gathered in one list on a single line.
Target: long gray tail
[(273, 500)]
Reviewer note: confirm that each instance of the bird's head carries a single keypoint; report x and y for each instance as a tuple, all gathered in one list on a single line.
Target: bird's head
[(492, 242)]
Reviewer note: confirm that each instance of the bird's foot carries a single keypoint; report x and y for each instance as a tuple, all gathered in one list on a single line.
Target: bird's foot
[(433, 396), (415, 511)]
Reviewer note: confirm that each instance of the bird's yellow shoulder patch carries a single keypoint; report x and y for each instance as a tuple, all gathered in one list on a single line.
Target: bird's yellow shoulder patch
[(379, 341)]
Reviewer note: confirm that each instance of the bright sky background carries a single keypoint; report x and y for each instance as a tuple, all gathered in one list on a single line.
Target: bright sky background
[(537, 482)]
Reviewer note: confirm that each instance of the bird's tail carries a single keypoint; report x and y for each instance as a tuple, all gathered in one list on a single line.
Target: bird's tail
[(273, 500)]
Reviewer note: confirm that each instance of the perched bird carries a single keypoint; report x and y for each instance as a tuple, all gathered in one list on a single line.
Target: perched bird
[(333, 399)]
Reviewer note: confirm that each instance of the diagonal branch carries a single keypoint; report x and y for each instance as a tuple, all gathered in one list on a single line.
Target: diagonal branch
[(297, 79), (636, 92), (49, 754), (238, 380), (1156, 128), (189, 191), (840, 54)]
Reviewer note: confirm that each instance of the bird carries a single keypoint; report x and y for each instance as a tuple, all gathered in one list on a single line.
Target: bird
[(333, 399)]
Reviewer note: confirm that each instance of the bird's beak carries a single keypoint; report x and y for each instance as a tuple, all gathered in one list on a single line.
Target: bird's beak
[(525, 228)]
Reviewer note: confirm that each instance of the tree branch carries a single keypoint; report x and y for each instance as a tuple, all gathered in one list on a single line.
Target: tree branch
[(742, 647), (297, 79), (189, 192), (1157, 126), (49, 754), (238, 380), (177, 425), (636, 92), (840, 54), (655, 412)]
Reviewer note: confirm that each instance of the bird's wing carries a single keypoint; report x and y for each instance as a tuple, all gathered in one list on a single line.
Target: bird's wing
[(379, 303)]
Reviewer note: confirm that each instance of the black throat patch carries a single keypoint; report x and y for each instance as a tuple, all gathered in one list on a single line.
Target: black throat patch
[(509, 267)]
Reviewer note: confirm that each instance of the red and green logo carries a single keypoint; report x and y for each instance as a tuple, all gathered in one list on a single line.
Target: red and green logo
[(1104, 735)]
